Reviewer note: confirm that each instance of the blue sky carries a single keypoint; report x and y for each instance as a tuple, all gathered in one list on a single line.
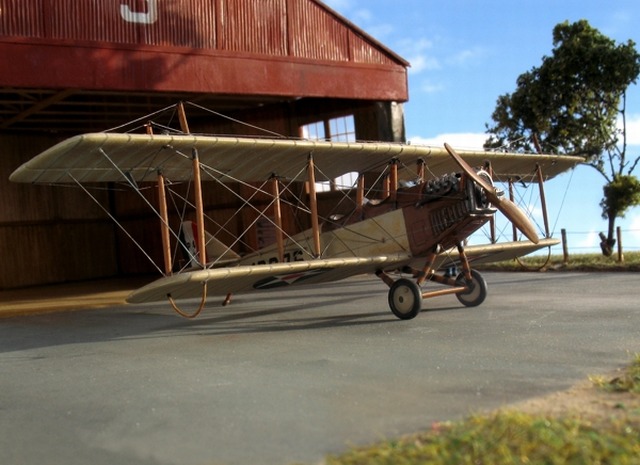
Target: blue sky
[(465, 53)]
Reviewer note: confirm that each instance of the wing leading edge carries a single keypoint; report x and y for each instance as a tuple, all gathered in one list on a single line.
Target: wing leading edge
[(221, 281), (110, 157)]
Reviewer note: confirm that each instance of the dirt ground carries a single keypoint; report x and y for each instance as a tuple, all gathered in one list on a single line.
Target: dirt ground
[(587, 402)]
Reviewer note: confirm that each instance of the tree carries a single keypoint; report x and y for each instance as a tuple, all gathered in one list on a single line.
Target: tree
[(575, 104)]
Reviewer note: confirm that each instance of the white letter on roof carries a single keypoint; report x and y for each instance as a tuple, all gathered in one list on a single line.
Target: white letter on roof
[(150, 17)]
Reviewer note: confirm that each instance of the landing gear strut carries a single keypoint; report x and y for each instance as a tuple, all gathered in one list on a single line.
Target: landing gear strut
[(405, 296)]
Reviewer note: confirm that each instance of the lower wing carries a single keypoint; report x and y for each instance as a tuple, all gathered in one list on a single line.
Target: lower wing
[(222, 281)]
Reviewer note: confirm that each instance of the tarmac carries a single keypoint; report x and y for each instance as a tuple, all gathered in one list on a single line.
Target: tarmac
[(288, 377)]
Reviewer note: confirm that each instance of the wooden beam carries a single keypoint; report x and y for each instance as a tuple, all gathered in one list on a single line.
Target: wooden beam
[(41, 105)]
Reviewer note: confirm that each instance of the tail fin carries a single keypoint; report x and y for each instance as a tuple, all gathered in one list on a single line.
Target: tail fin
[(215, 251)]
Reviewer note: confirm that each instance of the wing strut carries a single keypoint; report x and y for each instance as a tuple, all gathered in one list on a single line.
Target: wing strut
[(197, 184), (277, 216), (164, 218), (543, 201), (164, 224), (313, 205)]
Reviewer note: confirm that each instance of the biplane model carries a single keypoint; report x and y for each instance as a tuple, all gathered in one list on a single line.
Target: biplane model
[(434, 198)]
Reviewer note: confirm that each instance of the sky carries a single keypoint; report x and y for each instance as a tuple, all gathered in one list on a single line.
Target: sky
[(464, 54)]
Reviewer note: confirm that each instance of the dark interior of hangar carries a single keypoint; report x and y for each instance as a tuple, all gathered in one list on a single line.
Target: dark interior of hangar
[(244, 69)]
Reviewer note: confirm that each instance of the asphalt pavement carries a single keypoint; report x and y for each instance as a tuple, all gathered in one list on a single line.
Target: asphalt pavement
[(283, 377)]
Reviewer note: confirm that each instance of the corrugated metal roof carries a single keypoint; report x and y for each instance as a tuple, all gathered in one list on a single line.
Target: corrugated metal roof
[(92, 57), (305, 29)]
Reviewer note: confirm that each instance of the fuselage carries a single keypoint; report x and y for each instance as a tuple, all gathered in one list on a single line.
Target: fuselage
[(440, 212)]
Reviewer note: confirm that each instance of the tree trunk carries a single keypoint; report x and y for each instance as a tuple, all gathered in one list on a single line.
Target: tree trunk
[(607, 243)]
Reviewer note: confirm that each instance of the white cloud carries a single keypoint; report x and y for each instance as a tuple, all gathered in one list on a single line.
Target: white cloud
[(461, 140), (417, 53), (633, 232), (430, 87), (580, 242), (633, 129), (421, 63), (464, 57)]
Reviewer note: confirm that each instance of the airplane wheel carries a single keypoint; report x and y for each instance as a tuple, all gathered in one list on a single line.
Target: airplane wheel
[(405, 299), (477, 289)]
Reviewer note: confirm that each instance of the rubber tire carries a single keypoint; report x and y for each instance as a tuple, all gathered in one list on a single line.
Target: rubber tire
[(477, 289), (405, 299)]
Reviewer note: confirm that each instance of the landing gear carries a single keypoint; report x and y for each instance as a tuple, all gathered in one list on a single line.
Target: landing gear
[(406, 295), (477, 289), (405, 299)]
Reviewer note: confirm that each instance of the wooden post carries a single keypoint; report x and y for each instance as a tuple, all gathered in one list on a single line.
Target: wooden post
[(197, 185), (565, 248), (313, 205), (543, 201), (620, 254), (277, 217), (164, 225)]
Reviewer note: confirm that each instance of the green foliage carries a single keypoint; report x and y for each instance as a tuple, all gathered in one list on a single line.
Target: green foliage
[(619, 195), (570, 103), (506, 438), (577, 262)]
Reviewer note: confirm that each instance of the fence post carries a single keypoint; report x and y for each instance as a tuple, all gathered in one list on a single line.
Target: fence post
[(565, 249), (620, 254)]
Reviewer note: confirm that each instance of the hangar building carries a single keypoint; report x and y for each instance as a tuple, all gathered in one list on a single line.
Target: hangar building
[(293, 67)]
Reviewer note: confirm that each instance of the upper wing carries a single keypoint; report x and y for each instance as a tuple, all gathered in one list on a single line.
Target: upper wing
[(112, 157), (221, 281)]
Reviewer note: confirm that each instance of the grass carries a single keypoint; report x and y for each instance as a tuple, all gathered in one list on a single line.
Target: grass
[(577, 262), (508, 437), (628, 381)]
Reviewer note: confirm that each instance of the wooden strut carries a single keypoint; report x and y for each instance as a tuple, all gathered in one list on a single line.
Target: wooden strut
[(545, 219), (165, 234), (277, 217), (197, 184), (427, 270), (421, 170), (492, 220), (360, 192), (164, 225), (393, 181), (543, 201), (313, 205), (202, 254)]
